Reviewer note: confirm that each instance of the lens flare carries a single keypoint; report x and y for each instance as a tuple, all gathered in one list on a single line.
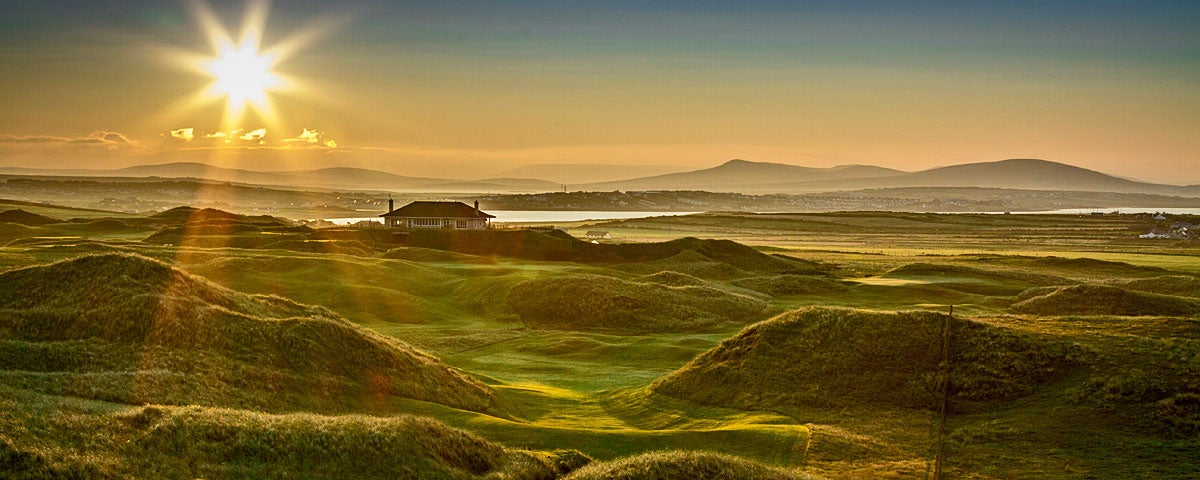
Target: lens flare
[(243, 76)]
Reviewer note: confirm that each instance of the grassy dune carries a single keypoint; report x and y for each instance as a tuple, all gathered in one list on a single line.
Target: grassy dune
[(559, 246), (672, 465), (130, 329), (826, 358), (636, 355), (22, 217), (57, 437), (1102, 300), (1177, 285), (788, 285), (588, 303)]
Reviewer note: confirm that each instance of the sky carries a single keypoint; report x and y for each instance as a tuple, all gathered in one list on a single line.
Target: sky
[(458, 89)]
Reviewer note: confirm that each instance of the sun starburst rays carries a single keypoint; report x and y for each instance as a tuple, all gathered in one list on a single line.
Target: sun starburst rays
[(242, 72)]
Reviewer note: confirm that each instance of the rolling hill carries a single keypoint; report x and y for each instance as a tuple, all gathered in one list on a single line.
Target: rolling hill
[(759, 177), (129, 329), (346, 178), (743, 176), (573, 174)]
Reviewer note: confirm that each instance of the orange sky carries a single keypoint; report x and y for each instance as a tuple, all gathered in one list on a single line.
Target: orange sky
[(466, 91)]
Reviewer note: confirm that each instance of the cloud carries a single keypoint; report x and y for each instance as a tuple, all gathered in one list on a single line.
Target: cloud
[(185, 134), (255, 136), (101, 138), (226, 137), (310, 137)]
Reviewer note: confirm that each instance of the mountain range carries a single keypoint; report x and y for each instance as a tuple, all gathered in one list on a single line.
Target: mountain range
[(345, 178), (740, 176), (759, 177)]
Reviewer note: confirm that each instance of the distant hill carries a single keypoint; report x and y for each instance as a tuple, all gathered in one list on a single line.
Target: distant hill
[(1028, 174), (760, 177), (734, 176), (744, 176), (570, 174), (343, 178), (130, 329), (25, 218)]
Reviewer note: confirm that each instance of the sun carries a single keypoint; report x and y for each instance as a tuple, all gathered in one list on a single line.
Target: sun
[(242, 75)]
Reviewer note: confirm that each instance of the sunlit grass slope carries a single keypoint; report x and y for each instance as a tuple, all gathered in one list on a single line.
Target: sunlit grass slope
[(678, 465), (58, 437), (557, 245), (831, 358), (129, 329), (1102, 300), (596, 302), (22, 217)]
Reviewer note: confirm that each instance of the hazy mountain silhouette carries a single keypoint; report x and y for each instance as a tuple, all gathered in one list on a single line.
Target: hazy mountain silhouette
[(737, 176), (347, 178), (572, 174), (744, 176), (758, 177)]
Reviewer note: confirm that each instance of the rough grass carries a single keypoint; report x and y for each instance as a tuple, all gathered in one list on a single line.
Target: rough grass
[(184, 215), (22, 217), (787, 285), (592, 302), (1177, 285), (344, 247), (673, 279), (680, 465), (418, 254), (940, 269), (130, 329), (831, 358), (1102, 300), (49, 437), (559, 246)]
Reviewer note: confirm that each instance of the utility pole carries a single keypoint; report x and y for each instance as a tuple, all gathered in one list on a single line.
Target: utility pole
[(937, 463)]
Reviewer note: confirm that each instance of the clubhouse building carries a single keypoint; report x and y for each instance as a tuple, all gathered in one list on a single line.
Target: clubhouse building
[(455, 215)]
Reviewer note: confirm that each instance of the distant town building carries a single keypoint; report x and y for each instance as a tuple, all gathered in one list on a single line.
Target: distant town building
[(455, 215), (597, 234)]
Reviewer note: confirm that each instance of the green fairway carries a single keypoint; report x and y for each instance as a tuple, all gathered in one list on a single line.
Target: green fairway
[(1074, 353)]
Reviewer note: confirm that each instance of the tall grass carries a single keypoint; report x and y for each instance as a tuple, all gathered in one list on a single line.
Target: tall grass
[(596, 302), (831, 358), (134, 330)]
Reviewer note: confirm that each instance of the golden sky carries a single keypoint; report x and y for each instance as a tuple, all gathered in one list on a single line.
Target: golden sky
[(469, 89)]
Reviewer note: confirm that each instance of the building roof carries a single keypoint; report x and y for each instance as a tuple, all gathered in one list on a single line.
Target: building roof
[(437, 210)]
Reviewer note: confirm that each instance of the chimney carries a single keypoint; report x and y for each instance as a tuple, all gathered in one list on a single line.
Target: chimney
[(477, 208), (391, 204)]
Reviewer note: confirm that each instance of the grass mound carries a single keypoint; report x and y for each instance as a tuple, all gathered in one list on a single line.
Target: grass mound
[(418, 254), (1091, 267), (831, 358), (673, 279), (239, 444), (784, 285), (22, 217), (1178, 285), (960, 271), (345, 247), (57, 437), (129, 329), (184, 215), (1102, 300), (679, 465), (603, 303), (557, 245), (13, 231)]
